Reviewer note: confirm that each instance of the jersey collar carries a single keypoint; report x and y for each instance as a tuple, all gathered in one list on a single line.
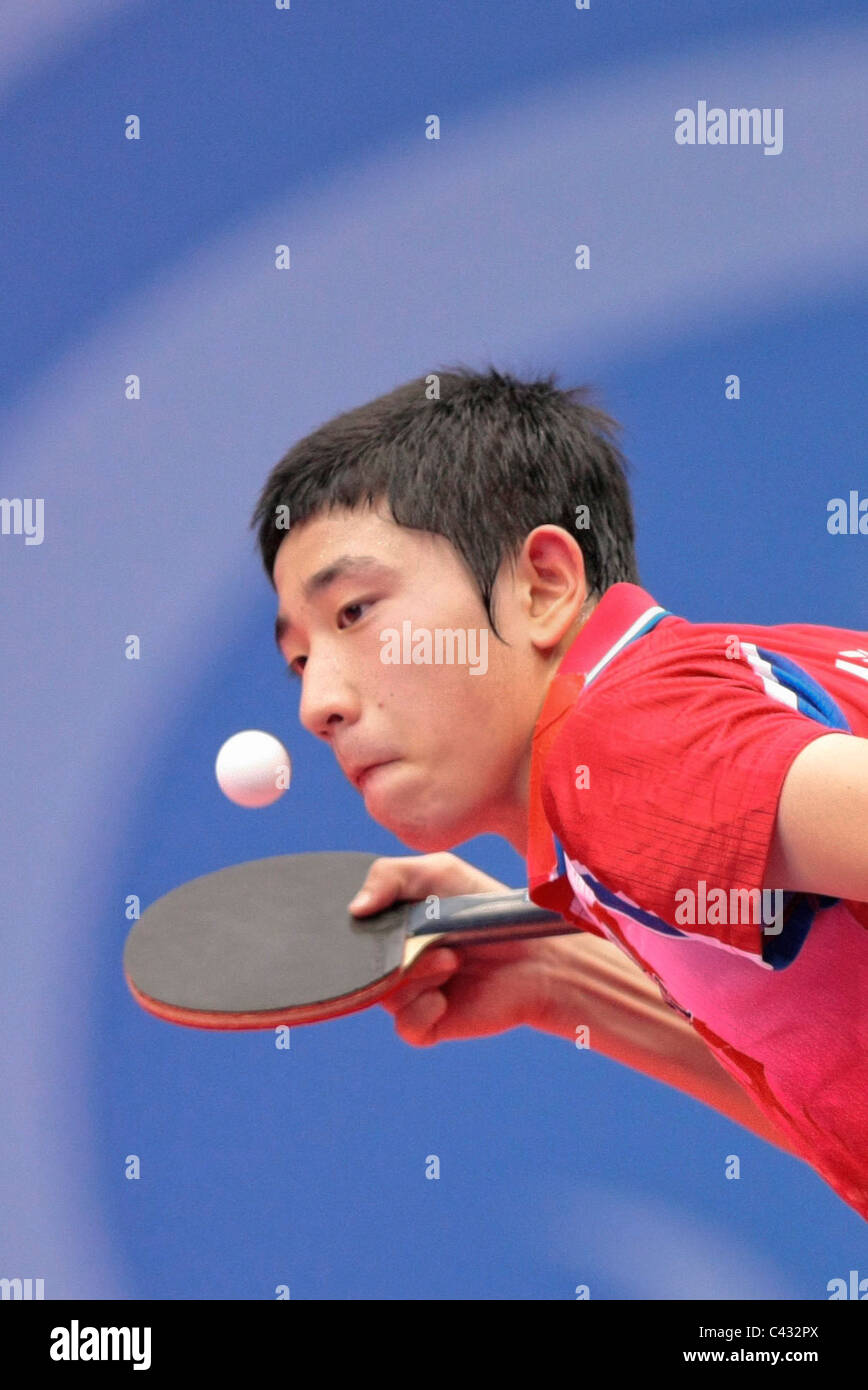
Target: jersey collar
[(623, 613)]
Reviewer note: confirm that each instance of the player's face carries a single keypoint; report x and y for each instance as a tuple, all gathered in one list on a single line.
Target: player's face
[(459, 741)]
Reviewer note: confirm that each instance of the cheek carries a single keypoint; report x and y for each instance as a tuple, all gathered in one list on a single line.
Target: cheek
[(445, 700), (464, 717)]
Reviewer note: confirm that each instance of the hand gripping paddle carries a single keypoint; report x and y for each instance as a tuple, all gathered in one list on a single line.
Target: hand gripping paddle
[(272, 941)]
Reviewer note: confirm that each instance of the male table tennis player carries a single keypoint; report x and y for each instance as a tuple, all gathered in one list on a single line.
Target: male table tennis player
[(649, 768)]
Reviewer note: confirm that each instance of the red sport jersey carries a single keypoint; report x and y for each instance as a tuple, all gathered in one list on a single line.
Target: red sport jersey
[(657, 765)]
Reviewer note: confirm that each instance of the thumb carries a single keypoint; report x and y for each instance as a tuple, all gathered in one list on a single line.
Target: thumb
[(377, 891), (391, 880), (410, 878)]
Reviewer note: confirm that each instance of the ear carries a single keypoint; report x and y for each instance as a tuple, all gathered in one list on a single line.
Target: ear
[(550, 571)]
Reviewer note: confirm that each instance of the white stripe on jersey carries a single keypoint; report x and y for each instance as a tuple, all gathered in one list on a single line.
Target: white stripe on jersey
[(770, 681)]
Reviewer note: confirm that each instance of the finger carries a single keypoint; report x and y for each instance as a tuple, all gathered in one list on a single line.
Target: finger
[(428, 973), (417, 1023), (435, 961), (399, 1001), (411, 877)]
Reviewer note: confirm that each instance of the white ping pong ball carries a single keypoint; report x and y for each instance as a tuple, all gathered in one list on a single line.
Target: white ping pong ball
[(253, 768)]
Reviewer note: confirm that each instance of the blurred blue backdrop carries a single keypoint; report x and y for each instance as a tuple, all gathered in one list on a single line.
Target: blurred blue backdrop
[(306, 1167)]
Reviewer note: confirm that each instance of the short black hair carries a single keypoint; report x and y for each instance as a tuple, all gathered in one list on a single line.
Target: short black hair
[(481, 458)]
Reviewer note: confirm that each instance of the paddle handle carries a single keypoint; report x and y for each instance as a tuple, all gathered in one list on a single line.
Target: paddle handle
[(482, 917)]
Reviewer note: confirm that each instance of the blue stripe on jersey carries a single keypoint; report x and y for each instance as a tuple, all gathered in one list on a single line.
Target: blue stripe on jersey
[(813, 700), (781, 950), (637, 914), (611, 900), (562, 863)]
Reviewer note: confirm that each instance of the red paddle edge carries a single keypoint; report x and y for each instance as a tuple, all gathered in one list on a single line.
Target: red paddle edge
[(269, 1018)]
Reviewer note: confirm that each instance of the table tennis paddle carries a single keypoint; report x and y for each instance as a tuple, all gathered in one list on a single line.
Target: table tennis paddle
[(272, 941)]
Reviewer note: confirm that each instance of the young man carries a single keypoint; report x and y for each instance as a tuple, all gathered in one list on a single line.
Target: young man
[(656, 774)]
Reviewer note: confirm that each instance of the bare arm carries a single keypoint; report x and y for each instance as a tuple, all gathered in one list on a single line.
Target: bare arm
[(820, 843), (593, 983)]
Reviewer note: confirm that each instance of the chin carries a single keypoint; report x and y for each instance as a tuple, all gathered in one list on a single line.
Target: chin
[(427, 842), (431, 824), (431, 838), (425, 839)]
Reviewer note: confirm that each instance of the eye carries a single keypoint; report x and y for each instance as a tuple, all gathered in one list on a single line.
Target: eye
[(362, 603), (292, 669)]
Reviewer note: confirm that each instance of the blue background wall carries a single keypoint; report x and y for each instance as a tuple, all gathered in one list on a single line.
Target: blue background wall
[(259, 126)]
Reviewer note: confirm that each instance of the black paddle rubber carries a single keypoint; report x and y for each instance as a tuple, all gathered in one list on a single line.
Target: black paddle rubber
[(264, 942)]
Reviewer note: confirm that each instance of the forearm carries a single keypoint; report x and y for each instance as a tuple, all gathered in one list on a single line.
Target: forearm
[(595, 985)]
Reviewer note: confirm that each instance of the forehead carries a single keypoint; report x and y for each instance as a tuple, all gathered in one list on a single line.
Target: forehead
[(333, 535)]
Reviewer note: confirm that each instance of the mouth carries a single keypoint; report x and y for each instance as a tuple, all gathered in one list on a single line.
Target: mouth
[(362, 777)]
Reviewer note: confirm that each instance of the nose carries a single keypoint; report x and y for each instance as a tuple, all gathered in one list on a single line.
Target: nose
[(327, 698)]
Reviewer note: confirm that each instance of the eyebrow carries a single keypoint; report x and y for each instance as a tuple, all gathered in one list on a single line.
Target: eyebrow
[(317, 583)]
